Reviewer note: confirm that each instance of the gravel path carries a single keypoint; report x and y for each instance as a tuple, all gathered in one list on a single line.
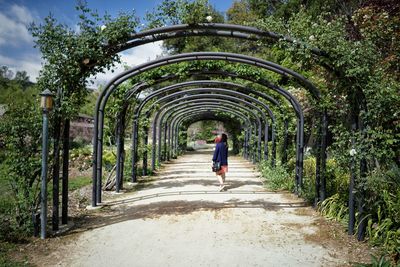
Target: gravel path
[(180, 219)]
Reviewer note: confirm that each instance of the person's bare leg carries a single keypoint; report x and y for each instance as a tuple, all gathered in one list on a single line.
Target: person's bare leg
[(223, 177), (220, 179)]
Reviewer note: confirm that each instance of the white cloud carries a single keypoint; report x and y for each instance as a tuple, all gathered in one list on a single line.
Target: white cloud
[(22, 14), (14, 26), (31, 64), (132, 57)]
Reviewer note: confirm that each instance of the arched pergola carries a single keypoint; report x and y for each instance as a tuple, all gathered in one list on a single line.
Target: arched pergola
[(201, 104), (195, 30), (181, 58), (223, 73), (248, 110), (209, 90)]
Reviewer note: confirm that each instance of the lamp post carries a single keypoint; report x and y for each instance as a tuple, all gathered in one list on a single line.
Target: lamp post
[(46, 103)]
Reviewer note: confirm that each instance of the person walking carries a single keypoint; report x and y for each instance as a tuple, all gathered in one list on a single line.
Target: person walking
[(221, 156)]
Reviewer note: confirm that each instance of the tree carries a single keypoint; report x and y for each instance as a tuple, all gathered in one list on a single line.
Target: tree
[(22, 77), (20, 136), (71, 57), (171, 12)]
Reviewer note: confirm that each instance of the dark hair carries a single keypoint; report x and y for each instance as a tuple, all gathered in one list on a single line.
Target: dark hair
[(224, 138)]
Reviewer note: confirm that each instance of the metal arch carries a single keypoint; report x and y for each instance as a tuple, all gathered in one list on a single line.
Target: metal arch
[(247, 131), (177, 86), (240, 117), (286, 94), (188, 116), (198, 105), (207, 90), (208, 82), (207, 29), (112, 85), (195, 101), (292, 100), (204, 114), (120, 157), (157, 121), (248, 110), (251, 112), (186, 111)]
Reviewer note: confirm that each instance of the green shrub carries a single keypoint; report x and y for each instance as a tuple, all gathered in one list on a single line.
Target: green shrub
[(383, 227), (276, 178), (334, 208), (109, 159), (382, 261), (81, 158), (308, 188), (337, 179)]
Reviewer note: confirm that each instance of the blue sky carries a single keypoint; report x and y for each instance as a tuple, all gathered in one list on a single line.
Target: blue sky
[(16, 43)]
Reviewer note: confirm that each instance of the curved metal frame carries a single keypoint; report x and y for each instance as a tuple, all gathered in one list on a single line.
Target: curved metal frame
[(112, 85), (228, 92), (178, 120), (207, 29), (292, 100), (176, 126), (247, 133), (187, 107), (163, 113), (214, 96), (190, 113), (120, 173)]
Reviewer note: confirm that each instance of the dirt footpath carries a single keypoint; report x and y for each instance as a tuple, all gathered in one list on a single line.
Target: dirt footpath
[(180, 219)]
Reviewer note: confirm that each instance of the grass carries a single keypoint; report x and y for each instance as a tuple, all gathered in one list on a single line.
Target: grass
[(5, 260), (79, 182)]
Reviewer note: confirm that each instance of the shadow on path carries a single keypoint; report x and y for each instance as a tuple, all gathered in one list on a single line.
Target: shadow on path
[(122, 212)]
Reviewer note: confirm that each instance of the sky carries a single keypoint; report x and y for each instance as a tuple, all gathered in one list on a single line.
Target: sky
[(17, 45)]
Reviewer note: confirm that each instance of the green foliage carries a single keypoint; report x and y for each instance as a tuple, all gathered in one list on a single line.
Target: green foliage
[(204, 131), (5, 260), (381, 261), (276, 178), (81, 158), (79, 182), (334, 207), (383, 205), (109, 159), (171, 12), (71, 57), (20, 134)]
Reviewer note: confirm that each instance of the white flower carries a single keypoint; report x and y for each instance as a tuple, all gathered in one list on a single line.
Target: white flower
[(209, 18), (353, 152), (311, 38), (103, 27)]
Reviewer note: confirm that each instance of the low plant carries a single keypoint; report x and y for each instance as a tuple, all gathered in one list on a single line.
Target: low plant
[(380, 261), (277, 178), (334, 208)]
